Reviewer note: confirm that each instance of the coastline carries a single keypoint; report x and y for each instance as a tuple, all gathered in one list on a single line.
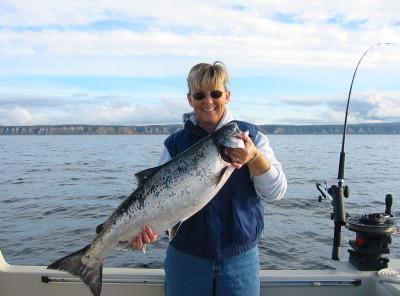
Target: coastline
[(165, 129)]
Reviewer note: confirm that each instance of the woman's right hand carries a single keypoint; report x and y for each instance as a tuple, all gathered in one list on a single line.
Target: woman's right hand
[(147, 236)]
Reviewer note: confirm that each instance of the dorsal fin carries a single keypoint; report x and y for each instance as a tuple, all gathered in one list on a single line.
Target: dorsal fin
[(99, 228), (144, 175)]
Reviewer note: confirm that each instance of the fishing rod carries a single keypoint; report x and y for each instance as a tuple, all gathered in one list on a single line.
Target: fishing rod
[(342, 153), (338, 192)]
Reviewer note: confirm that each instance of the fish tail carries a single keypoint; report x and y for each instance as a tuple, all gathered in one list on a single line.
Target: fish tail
[(91, 276)]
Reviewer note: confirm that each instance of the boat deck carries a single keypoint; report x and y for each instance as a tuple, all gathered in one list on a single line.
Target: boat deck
[(345, 280)]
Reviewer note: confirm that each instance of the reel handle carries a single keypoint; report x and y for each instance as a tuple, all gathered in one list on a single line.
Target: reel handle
[(388, 203)]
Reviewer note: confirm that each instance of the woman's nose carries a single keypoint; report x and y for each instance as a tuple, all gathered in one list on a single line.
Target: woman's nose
[(208, 98)]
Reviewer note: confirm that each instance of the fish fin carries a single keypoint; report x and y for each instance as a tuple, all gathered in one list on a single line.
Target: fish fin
[(72, 263), (99, 228), (174, 230), (124, 246), (142, 176), (221, 176)]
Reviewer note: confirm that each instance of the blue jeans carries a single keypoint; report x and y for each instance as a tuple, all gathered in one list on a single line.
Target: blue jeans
[(187, 275)]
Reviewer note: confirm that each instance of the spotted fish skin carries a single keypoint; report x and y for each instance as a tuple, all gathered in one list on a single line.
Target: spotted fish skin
[(165, 195)]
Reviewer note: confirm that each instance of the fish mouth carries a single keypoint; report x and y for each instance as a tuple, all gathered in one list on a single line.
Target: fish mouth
[(222, 151)]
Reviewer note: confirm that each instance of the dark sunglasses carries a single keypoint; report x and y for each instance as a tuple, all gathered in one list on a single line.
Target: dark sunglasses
[(215, 94)]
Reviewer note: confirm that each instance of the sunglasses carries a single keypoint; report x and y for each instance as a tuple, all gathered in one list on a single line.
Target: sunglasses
[(215, 94)]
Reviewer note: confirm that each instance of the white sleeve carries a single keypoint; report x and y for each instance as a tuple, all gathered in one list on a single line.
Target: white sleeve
[(165, 156), (272, 184)]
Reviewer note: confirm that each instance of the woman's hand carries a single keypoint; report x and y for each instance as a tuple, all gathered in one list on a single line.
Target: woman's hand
[(241, 156), (250, 155), (147, 236)]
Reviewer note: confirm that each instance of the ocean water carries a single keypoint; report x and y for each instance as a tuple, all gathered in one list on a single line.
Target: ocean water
[(54, 190)]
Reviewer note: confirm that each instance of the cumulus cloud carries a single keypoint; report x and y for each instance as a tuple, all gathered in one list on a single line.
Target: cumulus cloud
[(323, 34), (384, 106), (16, 116), (83, 38), (165, 111), (369, 106), (88, 109)]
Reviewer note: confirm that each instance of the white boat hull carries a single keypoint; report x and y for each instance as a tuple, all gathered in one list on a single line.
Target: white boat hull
[(345, 280)]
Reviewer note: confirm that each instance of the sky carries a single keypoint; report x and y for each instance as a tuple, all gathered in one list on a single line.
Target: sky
[(126, 62)]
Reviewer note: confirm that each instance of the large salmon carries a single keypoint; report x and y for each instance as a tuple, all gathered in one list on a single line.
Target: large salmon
[(165, 196)]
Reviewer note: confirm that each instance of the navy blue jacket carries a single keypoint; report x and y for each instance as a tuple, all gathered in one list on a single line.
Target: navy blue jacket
[(233, 220)]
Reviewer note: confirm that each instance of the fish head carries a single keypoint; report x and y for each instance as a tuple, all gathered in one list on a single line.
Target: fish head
[(226, 137)]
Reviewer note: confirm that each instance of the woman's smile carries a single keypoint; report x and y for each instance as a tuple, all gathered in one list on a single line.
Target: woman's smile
[(209, 109)]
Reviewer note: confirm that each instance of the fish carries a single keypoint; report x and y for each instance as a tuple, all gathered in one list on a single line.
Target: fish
[(165, 196)]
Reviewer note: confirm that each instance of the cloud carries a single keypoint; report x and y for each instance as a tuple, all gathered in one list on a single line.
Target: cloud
[(266, 33), (384, 106), (371, 106), (88, 108), (368, 106), (311, 101), (16, 116), (305, 48), (45, 12), (166, 111)]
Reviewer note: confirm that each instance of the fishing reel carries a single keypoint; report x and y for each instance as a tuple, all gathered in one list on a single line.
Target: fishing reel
[(373, 236), (373, 231)]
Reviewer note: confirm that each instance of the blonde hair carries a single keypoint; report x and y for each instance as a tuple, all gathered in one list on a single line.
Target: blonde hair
[(207, 76)]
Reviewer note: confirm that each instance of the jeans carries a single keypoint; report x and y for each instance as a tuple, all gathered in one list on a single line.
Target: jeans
[(187, 275)]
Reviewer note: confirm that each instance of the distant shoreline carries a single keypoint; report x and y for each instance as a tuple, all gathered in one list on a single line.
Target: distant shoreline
[(83, 129)]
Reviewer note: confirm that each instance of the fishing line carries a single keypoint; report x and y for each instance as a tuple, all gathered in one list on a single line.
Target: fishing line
[(341, 162)]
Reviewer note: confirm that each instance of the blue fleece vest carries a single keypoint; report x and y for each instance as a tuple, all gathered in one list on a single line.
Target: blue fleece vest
[(233, 220)]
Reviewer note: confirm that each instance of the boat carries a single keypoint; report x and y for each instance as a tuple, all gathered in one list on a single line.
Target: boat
[(368, 272), (344, 280)]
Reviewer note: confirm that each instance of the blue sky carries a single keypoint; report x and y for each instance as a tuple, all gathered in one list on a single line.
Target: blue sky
[(125, 62)]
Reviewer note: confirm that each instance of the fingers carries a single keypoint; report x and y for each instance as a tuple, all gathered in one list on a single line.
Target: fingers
[(137, 242), (248, 142), (245, 137), (236, 155), (147, 236), (241, 156)]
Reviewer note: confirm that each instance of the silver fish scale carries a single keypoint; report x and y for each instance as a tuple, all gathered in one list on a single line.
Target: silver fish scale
[(175, 192)]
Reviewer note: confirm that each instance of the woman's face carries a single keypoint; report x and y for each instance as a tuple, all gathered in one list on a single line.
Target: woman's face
[(209, 110)]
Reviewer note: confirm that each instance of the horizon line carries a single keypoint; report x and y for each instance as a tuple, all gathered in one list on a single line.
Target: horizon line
[(167, 124)]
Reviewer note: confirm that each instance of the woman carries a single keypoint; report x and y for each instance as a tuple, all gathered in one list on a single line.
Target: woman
[(215, 251)]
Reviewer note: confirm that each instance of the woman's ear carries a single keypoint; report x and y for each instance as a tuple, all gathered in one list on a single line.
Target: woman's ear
[(228, 97)]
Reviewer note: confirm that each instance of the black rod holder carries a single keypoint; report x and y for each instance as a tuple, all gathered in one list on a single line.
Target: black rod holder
[(339, 217)]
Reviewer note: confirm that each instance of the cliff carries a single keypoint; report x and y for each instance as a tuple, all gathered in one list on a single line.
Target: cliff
[(76, 129), (363, 128)]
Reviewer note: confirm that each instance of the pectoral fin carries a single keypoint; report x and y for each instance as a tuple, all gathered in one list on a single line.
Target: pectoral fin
[(220, 176), (223, 176), (173, 231)]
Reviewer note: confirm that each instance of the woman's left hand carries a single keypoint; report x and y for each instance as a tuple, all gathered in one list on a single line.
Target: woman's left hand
[(147, 236), (241, 156)]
